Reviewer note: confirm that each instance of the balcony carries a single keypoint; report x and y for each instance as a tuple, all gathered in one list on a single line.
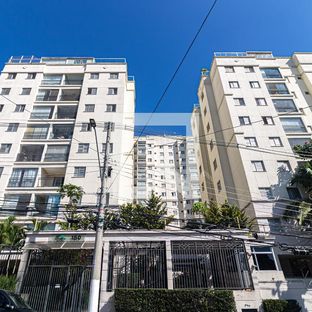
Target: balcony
[(51, 182), (30, 153), (47, 95), (42, 112), (56, 157), (66, 112), (36, 132), (70, 95), (62, 132), (59, 80)]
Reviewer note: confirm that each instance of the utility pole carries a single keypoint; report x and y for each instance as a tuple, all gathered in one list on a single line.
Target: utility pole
[(98, 250)]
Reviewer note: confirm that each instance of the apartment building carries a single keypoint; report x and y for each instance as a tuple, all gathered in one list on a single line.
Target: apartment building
[(167, 166), (46, 139), (253, 108)]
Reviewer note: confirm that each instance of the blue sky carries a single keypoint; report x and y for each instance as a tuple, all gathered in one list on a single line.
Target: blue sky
[(153, 36)]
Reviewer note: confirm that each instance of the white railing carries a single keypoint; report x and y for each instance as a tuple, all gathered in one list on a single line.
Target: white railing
[(244, 54)]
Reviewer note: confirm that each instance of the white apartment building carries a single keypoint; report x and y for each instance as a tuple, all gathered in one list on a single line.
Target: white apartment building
[(253, 108), (167, 166), (46, 139)]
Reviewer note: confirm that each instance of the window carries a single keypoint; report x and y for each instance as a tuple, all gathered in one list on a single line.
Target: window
[(106, 125), (219, 187), (283, 165), (85, 126), (79, 172), (251, 141), (293, 124), (270, 73), (267, 120), (12, 127), (297, 141), (285, 105), (11, 76), (234, 84), (239, 102), (42, 112), (229, 69), (277, 88), (249, 69), (215, 164), (113, 75), (92, 91), (263, 258), (5, 91), (254, 84), (31, 76), (83, 147), (173, 194), (111, 108), (261, 102), (19, 108), (111, 148), (22, 177), (296, 266), (293, 193), (1, 107), (94, 76), (112, 91), (257, 166), (26, 91), (89, 108), (5, 148), (266, 193), (275, 141), (244, 120)]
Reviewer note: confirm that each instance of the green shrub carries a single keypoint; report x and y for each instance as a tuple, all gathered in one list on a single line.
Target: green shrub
[(165, 300), (277, 305), (7, 282)]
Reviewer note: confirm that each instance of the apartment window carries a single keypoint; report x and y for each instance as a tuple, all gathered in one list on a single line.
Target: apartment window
[(277, 88), (11, 76), (106, 125), (94, 76), (251, 141), (12, 127), (283, 165), (293, 193), (111, 108), (219, 187), (257, 166), (215, 164), (19, 108), (79, 172), (267, 120), (26, 91), (263, 258), (285, 105), (170, 161), (83, 147), (234, 84), (5, 148), (261, 102), (270, 72), (163, 194), (92, 91), (85, 126), (1, 107), (5, 91), (229, 69), (112, 91), (275, 141), (293, 124), (113, 75), (266, 193), (31, 76), (111, 148), (249, 69), (23, 177), (254, 84), (89, 108), (296, 266), (244, 120), (239, 102)]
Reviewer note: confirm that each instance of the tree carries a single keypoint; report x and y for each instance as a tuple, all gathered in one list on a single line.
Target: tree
[(304, 150), (300, 213), (224, 215)]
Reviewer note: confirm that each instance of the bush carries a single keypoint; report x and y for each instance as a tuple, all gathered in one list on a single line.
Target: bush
[(7, 282), (277, 305), (165, 300)]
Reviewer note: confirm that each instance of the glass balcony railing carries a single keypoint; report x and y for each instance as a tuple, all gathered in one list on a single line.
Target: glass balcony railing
[(28, 157), (51, 182), (56, 157), (35, 136), (61, 135), (46, 98), (70, 97)]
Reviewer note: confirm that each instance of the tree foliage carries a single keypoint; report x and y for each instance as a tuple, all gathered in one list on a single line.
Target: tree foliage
[(12, 235), (299, 213), (304, 150)]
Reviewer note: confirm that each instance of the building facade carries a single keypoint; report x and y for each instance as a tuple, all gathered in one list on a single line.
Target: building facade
[(46, 138), (253, 109), (167, 166)]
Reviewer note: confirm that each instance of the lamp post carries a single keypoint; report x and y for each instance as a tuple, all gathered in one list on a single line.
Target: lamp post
[(98, 250)]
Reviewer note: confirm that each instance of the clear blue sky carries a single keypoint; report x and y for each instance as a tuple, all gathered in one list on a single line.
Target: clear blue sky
[(153, 36)]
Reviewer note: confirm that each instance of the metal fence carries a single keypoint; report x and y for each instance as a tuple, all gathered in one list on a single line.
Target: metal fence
[(9, 261)]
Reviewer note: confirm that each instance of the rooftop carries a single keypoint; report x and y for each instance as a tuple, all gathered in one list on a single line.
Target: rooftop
[(256, 54)]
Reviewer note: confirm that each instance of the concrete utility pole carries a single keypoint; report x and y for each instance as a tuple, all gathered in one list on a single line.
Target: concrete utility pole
[(98, 251)]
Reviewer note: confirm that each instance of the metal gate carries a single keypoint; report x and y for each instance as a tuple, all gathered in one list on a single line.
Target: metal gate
[(57, 288)]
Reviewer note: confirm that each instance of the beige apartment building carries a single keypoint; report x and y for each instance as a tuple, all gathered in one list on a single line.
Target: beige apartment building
[(253, 108), (46, 139)]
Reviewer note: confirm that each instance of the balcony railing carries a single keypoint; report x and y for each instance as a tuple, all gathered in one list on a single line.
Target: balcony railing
[(70, 97), (65, 116), (40, 116), (35, 136), (278, 91), (73, 82), (56, 157), (51, 82), (51, 182), (47, 82), (61, 136), (28, 157), (46, 98)]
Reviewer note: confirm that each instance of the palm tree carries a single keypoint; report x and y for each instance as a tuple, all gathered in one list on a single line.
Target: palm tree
[(303, 177)]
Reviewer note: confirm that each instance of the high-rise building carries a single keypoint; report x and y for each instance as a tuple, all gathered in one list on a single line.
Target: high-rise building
[(167, 166), (253, 109), (46, 139)]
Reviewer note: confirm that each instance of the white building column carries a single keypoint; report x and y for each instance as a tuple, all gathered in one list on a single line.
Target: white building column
[(169, 265), (22, 270)]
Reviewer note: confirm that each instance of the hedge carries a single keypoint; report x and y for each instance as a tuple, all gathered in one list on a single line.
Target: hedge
[(277, 305), (7, 282), (165, 300)]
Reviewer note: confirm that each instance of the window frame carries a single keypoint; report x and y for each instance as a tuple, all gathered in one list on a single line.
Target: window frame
[(251, 145), (242, 118), (24, 90), (12, 127), (254, 84), (240, 101), (234, 84), (265, 120), (254, 166), (16, 110), (92, 91), (94, 76), (83, 148), (274, 139), (89, 106), (255, 253), (77, 172)]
